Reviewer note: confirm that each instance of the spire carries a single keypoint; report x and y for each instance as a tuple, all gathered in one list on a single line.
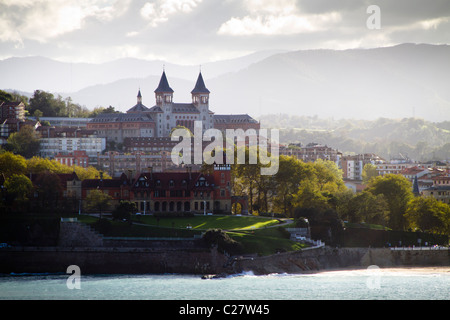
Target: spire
[(164, 84), (416, 187), (200, 85), (139, 97)]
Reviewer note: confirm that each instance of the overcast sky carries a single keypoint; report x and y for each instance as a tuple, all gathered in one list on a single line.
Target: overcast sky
[(199, 31)]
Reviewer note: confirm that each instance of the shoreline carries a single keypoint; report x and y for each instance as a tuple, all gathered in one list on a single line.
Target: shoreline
[(209, 262), (382, 271)]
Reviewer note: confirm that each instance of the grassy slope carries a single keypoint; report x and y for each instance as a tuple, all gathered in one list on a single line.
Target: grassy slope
[(253, 232)]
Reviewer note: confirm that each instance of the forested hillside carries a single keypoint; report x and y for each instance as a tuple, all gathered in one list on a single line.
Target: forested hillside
[(389, 138)]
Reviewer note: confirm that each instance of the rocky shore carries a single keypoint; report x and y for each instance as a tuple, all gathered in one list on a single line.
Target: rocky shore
[(327, 258), (209, 262)]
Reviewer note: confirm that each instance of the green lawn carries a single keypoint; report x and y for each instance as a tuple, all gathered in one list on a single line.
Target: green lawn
[(257, 234), (265, 241), (366, 226), (200, 222)]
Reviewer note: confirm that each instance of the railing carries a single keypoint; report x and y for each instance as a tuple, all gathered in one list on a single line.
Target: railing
[(420, 248)]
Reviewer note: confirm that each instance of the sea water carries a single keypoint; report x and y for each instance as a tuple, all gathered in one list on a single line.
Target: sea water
[(364, 284)]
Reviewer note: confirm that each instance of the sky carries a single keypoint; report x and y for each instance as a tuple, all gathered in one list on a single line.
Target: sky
[(191, 32)]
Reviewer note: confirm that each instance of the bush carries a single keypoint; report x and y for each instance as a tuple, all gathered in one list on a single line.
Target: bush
[(103, 226), (219, 238), (124, 210), (284, 233)]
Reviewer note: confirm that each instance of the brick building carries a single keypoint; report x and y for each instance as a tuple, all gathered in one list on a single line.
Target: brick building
[(440, 189), (74, 158), (116, 163), (183, 191), (352, 166), (311, 152)]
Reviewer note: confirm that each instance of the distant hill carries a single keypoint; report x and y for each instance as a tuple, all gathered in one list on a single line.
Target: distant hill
[(402, 81), (414, 138), (33, 73), (408, 80)]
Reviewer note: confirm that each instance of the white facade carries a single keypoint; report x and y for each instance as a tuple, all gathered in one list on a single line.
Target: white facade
[(52, 146)]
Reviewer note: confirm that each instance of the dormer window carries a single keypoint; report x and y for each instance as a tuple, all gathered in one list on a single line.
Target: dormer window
[(158, 183), (171, 183)]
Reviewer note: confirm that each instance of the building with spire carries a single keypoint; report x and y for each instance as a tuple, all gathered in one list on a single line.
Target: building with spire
[(169, 114), (158, 121)]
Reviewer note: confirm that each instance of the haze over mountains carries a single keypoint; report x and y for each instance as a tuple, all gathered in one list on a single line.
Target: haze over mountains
[(393, 82)]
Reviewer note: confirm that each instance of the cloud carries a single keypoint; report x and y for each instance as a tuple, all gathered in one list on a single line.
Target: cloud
[(275, 17), (278, 24), (160, 11), (197, 31), (43, 20)]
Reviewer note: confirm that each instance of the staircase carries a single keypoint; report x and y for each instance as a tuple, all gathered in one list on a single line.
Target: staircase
[(75, 234)]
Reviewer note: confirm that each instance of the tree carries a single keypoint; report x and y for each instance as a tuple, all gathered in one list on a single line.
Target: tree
[(12, 164), (25, 142), (49, 190), (397, 191), (291, 174), (37, 165), (98, 201), (309, 196), (37, 114), (5, 96), (110, 109), (369, 172), (328, 175), (246, 175), (19, 186), (223, 242), (124, 210), (428, 215), (47, 104), (369, 208)]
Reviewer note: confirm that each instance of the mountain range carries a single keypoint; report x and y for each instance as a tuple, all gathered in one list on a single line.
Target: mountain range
[(407, 80)]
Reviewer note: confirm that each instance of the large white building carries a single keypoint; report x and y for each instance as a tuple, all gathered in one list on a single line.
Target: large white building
[(52, 146), (159, 120), (168, 114)]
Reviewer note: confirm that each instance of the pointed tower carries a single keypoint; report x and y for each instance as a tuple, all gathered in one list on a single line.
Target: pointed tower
[(200, 94), (139, 107), (416, 187), (200, 99), (139, 97), (164, 93), (164, 100)]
